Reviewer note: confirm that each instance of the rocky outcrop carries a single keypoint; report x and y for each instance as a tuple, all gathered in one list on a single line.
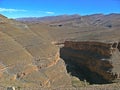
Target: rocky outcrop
[(118, 46), (96, 57)]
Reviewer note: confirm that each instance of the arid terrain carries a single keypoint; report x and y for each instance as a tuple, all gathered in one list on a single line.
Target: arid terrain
[(66, 52)]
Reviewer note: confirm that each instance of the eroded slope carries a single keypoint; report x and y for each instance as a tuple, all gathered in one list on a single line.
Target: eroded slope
[(28, 59)]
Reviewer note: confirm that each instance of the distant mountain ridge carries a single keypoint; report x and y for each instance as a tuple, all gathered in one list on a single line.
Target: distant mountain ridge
[(47, 18), (76, 20), (61, 17)]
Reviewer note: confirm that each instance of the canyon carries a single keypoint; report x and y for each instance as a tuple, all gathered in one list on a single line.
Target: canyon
[(98, 59), (60, 52)]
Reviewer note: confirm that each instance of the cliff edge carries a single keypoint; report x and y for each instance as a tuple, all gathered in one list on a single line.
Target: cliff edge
[(100, 58)]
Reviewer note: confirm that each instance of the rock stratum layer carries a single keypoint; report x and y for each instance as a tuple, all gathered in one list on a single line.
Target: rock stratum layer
[(101, 58)]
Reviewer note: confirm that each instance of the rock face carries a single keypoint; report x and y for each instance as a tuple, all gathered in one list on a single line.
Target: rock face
[(100, 58)]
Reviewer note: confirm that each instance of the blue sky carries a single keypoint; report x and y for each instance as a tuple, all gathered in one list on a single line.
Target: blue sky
[(39, 8)]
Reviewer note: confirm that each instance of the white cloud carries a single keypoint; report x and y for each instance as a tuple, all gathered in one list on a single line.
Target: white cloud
[(50, 12), (11, 10), (46, 12)]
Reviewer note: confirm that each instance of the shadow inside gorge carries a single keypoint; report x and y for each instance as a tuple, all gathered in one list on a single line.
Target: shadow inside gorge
[(81, 72)]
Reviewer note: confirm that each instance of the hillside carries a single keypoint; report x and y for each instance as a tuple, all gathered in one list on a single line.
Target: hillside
[(89, 27), (28, 59)]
